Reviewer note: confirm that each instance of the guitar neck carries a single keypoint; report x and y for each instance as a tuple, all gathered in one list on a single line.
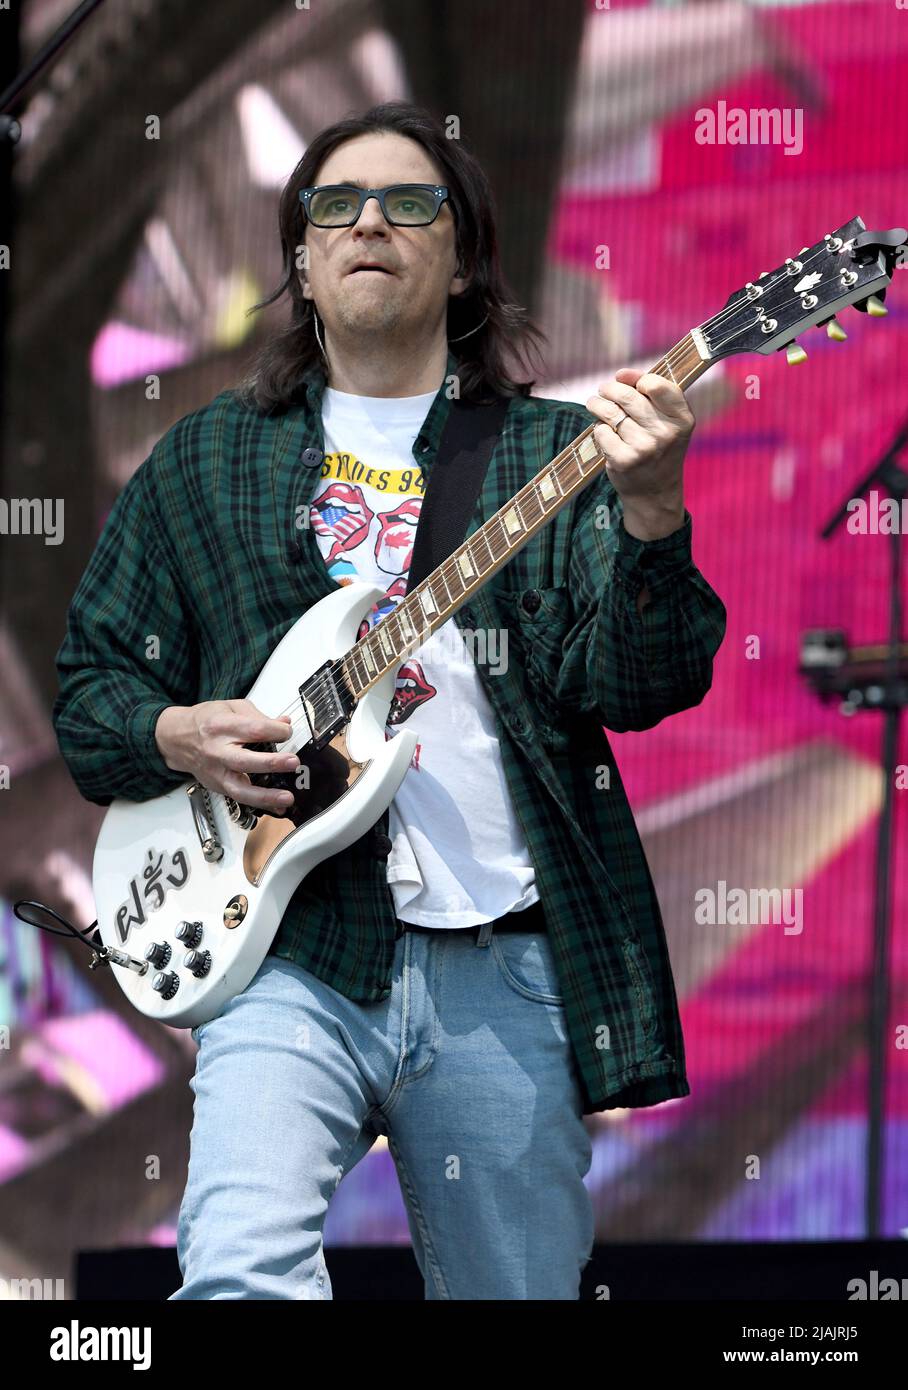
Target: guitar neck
[(490, 548)]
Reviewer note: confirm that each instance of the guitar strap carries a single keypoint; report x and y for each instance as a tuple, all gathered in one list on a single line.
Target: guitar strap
[(455, 479)]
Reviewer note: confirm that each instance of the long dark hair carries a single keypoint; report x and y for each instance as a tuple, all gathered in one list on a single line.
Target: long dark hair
[(274, 380)]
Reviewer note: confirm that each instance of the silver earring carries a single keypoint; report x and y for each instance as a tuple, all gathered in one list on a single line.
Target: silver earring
[(318, 337)]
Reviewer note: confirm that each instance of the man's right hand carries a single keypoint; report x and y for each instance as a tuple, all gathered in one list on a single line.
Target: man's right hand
[(207, 741)]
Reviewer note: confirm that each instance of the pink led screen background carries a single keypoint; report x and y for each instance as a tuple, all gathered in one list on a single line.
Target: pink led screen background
[(646, 233)]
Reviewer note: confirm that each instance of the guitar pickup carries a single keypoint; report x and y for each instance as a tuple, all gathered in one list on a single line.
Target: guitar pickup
[(203, 820), (327, 704)]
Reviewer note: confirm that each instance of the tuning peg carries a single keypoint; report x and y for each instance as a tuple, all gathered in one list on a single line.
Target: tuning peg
[(835, 331), (876, 307), (795, 355)]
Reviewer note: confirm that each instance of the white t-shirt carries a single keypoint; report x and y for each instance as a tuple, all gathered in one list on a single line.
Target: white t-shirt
[(458, 853)]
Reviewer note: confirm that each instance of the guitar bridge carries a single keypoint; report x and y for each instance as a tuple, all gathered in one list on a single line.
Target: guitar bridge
[(203, 820)]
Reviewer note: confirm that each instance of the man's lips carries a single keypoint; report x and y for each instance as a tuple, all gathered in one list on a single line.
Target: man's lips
[(375, 269)]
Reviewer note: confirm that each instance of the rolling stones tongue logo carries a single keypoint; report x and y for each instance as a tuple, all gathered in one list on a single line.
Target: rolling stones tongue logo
[(394, 541), (341, 514), (384, 606), (412, 687), (412, 691)]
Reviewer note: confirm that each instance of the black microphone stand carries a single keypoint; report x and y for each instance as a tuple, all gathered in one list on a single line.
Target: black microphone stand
[(889, 697)]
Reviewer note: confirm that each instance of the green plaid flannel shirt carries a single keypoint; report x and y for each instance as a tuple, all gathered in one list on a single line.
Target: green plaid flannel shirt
[(203, 549)]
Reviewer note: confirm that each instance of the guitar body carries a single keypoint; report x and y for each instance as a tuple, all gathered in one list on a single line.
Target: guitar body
[(151, 873)]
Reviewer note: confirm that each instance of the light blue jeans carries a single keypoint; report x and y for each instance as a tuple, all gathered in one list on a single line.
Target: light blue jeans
[(466, 1067)]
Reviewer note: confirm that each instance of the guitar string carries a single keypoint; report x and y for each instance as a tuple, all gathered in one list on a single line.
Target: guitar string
[(446, 570), (675, 356)]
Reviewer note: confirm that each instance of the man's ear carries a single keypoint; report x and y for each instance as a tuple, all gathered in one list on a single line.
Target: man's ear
[(459, 274)]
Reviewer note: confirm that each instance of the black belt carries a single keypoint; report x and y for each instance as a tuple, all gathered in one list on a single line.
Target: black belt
[(530, 919)]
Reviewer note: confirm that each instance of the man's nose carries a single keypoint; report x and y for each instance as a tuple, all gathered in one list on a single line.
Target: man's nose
[(371, 215)]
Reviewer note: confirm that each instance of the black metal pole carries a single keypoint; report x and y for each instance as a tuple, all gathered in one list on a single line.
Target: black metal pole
[(878, 1020), (12, 94), (894, 480), (9, 61)]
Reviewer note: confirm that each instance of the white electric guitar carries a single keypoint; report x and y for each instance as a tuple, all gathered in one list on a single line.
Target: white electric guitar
[(190, 886)]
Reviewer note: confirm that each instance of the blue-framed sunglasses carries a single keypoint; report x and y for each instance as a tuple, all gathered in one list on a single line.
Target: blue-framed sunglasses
[(403, 204)]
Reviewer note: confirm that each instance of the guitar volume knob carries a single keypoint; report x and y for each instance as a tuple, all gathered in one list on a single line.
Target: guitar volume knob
[(198, 963), (188, 933), (166, 983), (157, 953)]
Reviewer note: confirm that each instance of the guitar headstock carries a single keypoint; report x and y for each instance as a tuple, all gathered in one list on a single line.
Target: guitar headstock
[(850, 266)]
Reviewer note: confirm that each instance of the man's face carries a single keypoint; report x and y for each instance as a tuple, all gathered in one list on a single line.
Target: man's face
[(408, 302)]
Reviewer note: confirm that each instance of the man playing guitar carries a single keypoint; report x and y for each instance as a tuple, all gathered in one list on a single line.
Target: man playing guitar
[(473, 982)]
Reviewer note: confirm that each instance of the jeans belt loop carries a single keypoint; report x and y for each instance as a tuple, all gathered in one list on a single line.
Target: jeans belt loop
[(485, 934)]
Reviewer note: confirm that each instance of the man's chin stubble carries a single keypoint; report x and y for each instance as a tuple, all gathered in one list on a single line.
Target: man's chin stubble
[(384, 319)]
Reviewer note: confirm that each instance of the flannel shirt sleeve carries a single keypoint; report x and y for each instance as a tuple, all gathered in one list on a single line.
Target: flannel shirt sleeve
[(631, 668), (114, 678)]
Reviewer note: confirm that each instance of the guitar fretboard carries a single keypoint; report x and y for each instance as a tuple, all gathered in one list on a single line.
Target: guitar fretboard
[(484, 553)]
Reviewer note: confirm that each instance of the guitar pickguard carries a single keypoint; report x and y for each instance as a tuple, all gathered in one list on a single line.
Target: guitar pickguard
[(331, 772)]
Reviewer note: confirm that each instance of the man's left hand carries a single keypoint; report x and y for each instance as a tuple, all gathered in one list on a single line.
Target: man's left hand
[(646, 454)]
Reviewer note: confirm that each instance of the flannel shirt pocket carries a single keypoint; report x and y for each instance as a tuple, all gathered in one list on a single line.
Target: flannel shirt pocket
[(642, 981), (537, 621)]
